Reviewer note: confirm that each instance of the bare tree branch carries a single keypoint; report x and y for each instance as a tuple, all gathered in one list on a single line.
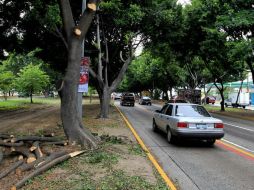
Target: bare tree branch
[(68, 21)]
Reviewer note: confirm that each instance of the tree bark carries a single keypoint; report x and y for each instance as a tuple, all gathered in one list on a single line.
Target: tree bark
[(221, 90), (72, 121), (105, 102)]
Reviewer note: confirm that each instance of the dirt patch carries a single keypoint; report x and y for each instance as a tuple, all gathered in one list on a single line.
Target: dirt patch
[(118, 162)]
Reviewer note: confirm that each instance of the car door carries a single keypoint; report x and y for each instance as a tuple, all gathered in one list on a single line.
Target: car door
[(159, 116), (167, 118)]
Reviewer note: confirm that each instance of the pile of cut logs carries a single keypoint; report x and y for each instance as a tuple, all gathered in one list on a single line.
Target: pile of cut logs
[(29, 153)]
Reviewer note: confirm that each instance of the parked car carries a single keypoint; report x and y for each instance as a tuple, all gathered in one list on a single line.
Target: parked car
[(127, 99), (145, 100), (116, 96), (209, 100), (187, 121)]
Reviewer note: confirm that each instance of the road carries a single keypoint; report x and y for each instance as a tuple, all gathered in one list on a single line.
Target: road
[(192, 165)]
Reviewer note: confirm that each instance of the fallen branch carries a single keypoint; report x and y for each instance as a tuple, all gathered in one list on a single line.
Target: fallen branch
[(45, 168), (12, 168), (12, 144), (4, 136), (1, 156), (61, 143), (40, 162), (36, 138)]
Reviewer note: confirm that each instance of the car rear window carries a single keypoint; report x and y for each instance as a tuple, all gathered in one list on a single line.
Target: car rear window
[(191, 111)]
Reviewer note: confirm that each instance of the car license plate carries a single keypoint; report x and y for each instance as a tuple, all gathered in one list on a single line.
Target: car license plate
[(201, 126)]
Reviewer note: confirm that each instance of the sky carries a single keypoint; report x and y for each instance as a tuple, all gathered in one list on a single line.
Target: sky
[(183, 2)]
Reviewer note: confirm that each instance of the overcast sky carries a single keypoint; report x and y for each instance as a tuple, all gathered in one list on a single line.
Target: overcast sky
[(184, 1)]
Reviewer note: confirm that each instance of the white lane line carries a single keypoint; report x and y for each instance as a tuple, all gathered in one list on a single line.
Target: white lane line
[(239, 146), (239, 127)]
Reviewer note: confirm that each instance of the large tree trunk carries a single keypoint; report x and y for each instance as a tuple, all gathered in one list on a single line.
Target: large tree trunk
[(221, 91), (72, 123), (105, 102), (74, 35)]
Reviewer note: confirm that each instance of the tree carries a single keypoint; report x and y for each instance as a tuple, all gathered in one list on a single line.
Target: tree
[(6, 80), (237, 20), (117, 27), (31, 79), (75, 30)]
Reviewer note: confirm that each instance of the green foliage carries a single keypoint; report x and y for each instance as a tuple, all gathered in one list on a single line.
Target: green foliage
[(31, 79), (6, 80), (100, 156)]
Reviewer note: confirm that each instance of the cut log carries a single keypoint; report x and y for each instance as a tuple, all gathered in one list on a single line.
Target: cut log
[(49, 135), (41, 161), (45, 168), (25, 151), (12, 168), (36, 138), (1, 156), (37, 150), (61, 143), (4, 136), (21, 143)]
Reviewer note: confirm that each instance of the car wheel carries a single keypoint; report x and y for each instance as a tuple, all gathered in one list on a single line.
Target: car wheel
[(155, 127), (170, 137), (210, 142), (243, 107), (226, 104)]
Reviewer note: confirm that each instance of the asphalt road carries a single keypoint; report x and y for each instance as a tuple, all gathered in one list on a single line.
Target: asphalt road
[(192, 165)]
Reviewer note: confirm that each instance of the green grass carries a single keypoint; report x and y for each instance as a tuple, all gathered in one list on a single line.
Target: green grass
[(211, 108), (22, 103)]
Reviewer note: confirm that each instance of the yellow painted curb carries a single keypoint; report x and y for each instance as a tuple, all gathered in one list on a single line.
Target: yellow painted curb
[(150, 156)]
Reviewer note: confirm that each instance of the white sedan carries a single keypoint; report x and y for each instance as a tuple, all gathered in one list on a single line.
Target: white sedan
[(189, 121)]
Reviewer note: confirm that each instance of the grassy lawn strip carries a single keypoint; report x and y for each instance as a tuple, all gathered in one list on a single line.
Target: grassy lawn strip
[(119, 163), (232, 112)]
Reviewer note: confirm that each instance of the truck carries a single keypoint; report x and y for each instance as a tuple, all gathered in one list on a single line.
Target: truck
[(190, 95), (127, 99), (243, 100)]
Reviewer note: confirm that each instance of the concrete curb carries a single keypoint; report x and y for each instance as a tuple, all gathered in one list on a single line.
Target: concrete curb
[(164, 176)]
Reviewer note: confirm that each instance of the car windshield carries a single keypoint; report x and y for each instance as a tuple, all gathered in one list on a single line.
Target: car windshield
[(191, 111), (146, 98)]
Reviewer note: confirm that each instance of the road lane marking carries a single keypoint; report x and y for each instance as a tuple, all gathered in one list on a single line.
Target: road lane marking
[(239, 146), (239, 127), (236, 150), (150, 156)]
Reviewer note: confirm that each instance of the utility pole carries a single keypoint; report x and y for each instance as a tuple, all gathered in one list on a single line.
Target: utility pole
[(80, 94)]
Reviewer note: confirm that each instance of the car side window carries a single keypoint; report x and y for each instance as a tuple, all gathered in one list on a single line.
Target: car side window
[(164, 108), (169, 110)]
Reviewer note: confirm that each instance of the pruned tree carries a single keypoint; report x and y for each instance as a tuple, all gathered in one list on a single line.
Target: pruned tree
[(75, 31)]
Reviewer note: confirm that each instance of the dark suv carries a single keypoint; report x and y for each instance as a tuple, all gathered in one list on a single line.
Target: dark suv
[(127, 99)]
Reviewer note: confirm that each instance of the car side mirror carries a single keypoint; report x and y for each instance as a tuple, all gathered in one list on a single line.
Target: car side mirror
[(158, 111)]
